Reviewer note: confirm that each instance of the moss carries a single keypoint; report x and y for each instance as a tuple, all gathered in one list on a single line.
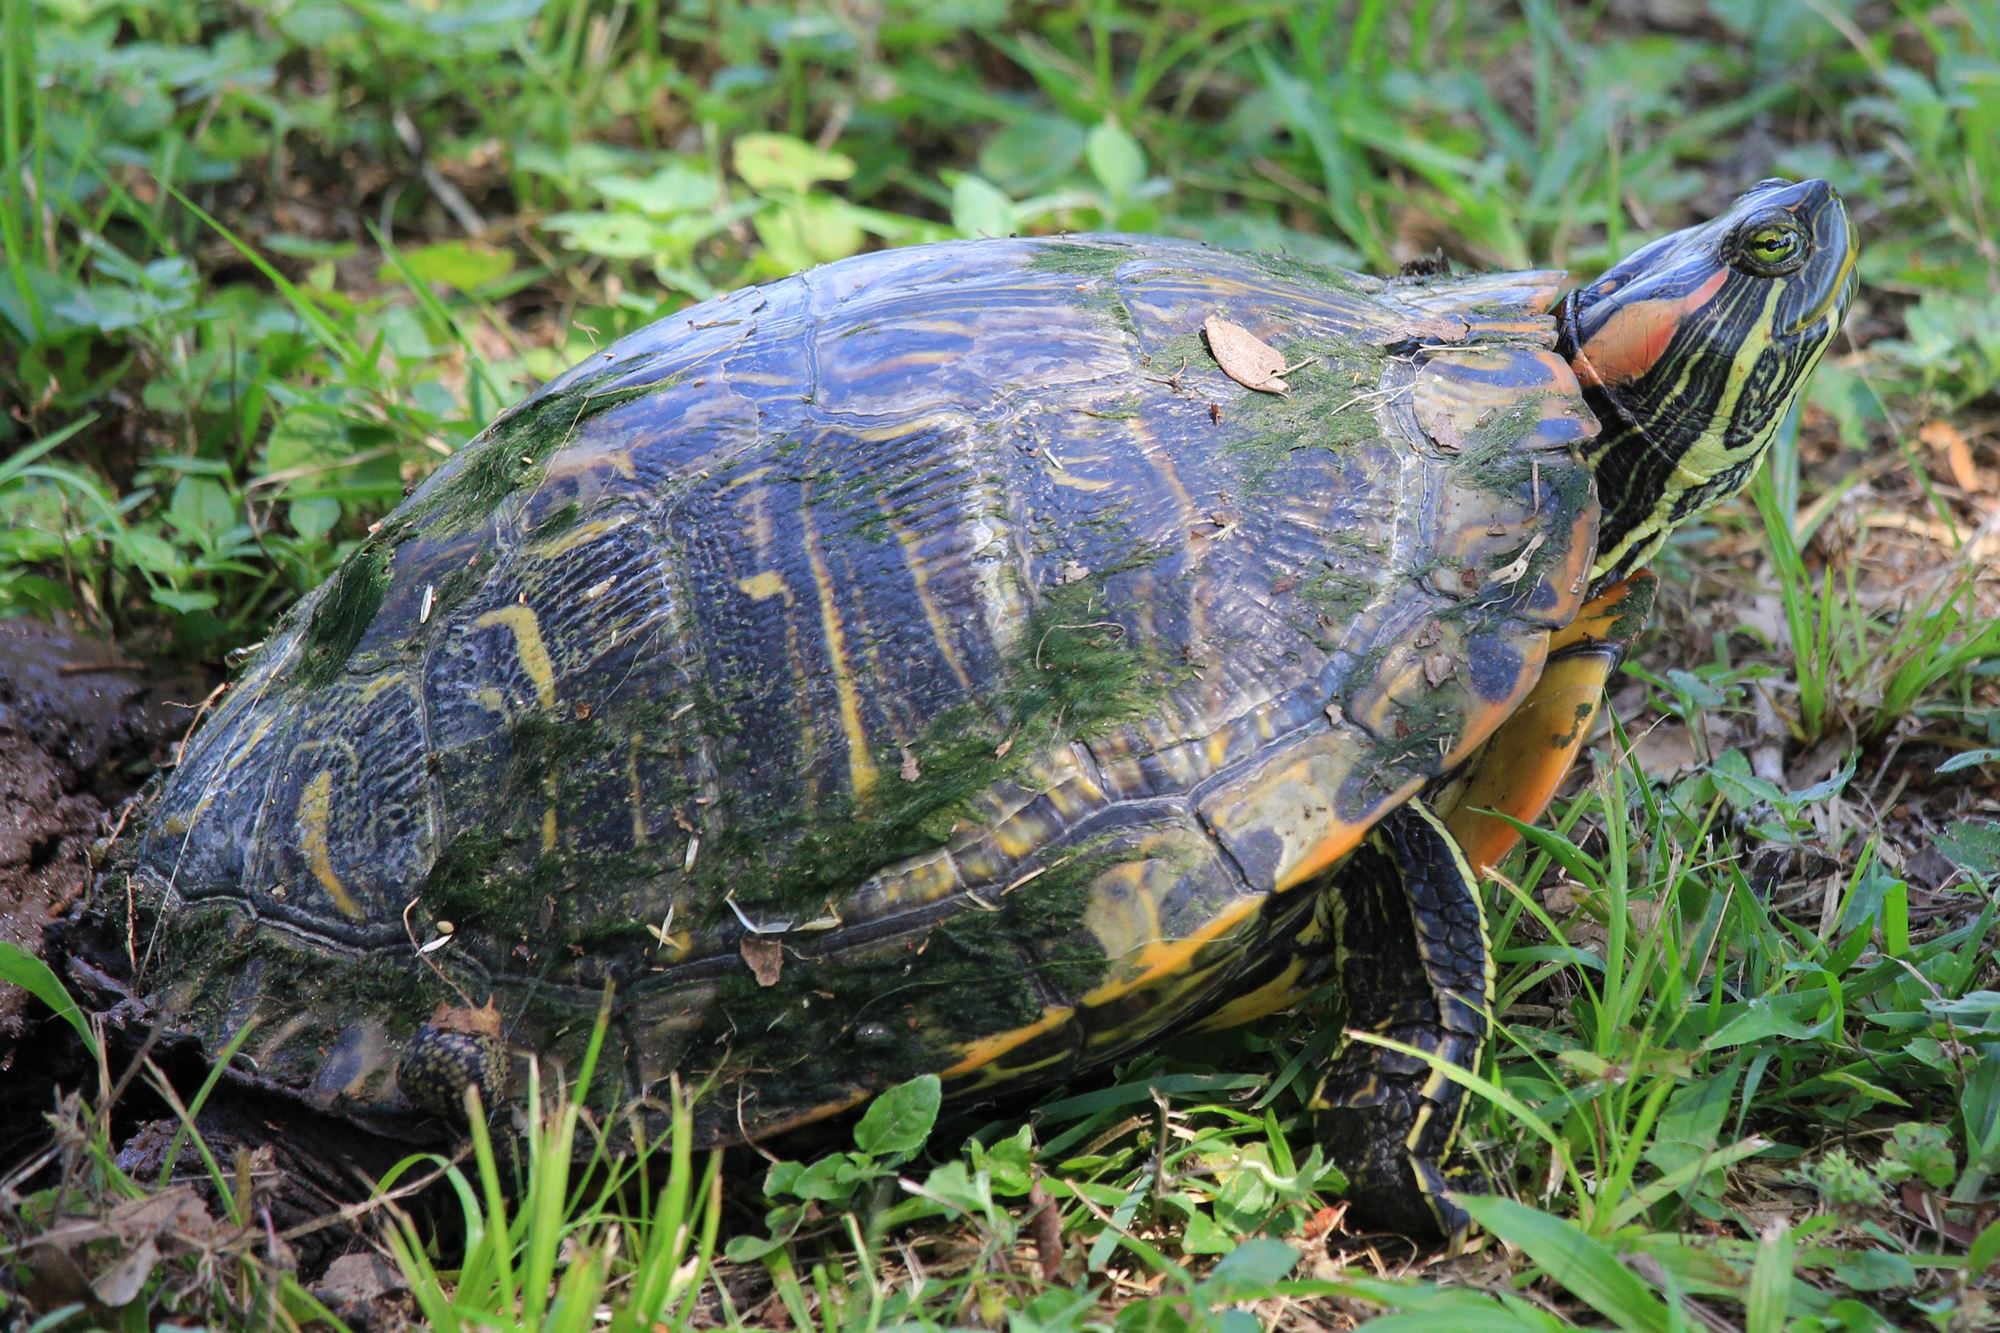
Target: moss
[(1073, 673), (1074, 664), (462, 882), (1496, 440), (902, 1005), (1099, 265), (501, 877), (511, 456), (1329, 407), (451, 590), (1308, 273), (232, 969), (1336, 596), (1079, 259), (1104, 298), (342, 614), (858, 497), (557, 522), (1330, 403), (1046, 918)]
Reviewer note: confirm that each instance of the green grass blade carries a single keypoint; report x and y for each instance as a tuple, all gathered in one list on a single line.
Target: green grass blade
[(36, 977), (1585, 1267)]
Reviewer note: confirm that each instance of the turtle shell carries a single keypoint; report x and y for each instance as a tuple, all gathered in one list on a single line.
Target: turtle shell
[(931, 662)]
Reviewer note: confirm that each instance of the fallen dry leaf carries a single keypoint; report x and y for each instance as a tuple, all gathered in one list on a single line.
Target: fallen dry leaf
[(1947, 439), (1244, 357), (766, 958), (121, 1283), (177, 1211), (1323, 1221), (358, 1279), (1045, 1227)]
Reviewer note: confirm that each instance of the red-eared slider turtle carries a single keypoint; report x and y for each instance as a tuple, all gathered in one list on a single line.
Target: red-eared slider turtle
[(942, 661)]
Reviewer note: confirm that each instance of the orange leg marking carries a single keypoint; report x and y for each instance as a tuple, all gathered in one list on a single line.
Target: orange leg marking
[(1519, 769)]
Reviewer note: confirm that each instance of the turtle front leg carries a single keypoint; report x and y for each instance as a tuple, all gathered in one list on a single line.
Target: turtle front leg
[(1411, 959), (1519, 768)]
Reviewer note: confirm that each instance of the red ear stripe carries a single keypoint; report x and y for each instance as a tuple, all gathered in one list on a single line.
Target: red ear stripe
[(1636, 335)]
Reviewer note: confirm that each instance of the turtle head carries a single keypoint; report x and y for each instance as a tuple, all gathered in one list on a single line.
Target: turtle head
[(1692, 350)]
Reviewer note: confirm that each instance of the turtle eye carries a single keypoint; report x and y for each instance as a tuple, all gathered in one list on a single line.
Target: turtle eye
[(1772, 249)]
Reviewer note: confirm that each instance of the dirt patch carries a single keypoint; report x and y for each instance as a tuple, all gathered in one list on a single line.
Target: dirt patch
[(81, 728)]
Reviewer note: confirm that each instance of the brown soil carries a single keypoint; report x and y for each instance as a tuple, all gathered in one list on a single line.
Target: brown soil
[(81, 728)]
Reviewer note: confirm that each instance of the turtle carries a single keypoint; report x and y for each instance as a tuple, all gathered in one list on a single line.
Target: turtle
[(982, 659)]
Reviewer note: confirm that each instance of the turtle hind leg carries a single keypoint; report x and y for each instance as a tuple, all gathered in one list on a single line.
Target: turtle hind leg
[(1412, 965)]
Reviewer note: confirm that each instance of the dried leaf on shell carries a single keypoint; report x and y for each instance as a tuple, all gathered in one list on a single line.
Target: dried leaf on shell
[(1244, 357), (766, 958)]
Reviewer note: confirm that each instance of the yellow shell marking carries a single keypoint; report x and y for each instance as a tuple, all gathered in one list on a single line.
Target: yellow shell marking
[(761, 587), (979, 1054), (242, 752), (534, 659), (1076, 483), (528, 647), (1273, 997), (315, 812), (1167, 958), (920, 579), (755, 474), (861, 773), (581, 535)]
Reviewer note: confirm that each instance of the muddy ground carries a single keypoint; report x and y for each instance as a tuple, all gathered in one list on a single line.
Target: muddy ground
[(81, 728)]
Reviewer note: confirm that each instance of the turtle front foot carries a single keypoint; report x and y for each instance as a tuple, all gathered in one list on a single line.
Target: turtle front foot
[(1393, 1144), (440, 1062), (1397, 1185)]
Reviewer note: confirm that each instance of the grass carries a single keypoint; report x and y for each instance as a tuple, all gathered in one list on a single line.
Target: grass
[(268, 264)]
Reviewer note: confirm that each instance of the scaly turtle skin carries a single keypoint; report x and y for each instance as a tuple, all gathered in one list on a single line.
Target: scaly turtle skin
[(933, 663)]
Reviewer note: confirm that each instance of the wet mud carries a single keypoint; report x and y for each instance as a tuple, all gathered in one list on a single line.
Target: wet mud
[(81, 729)]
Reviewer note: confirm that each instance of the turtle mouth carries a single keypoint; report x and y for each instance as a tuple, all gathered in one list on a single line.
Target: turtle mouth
[(1840, 292), (1833, 306)]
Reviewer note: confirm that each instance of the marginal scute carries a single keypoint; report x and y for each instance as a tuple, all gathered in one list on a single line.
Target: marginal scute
[(1512, 306), (1301, 807)]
